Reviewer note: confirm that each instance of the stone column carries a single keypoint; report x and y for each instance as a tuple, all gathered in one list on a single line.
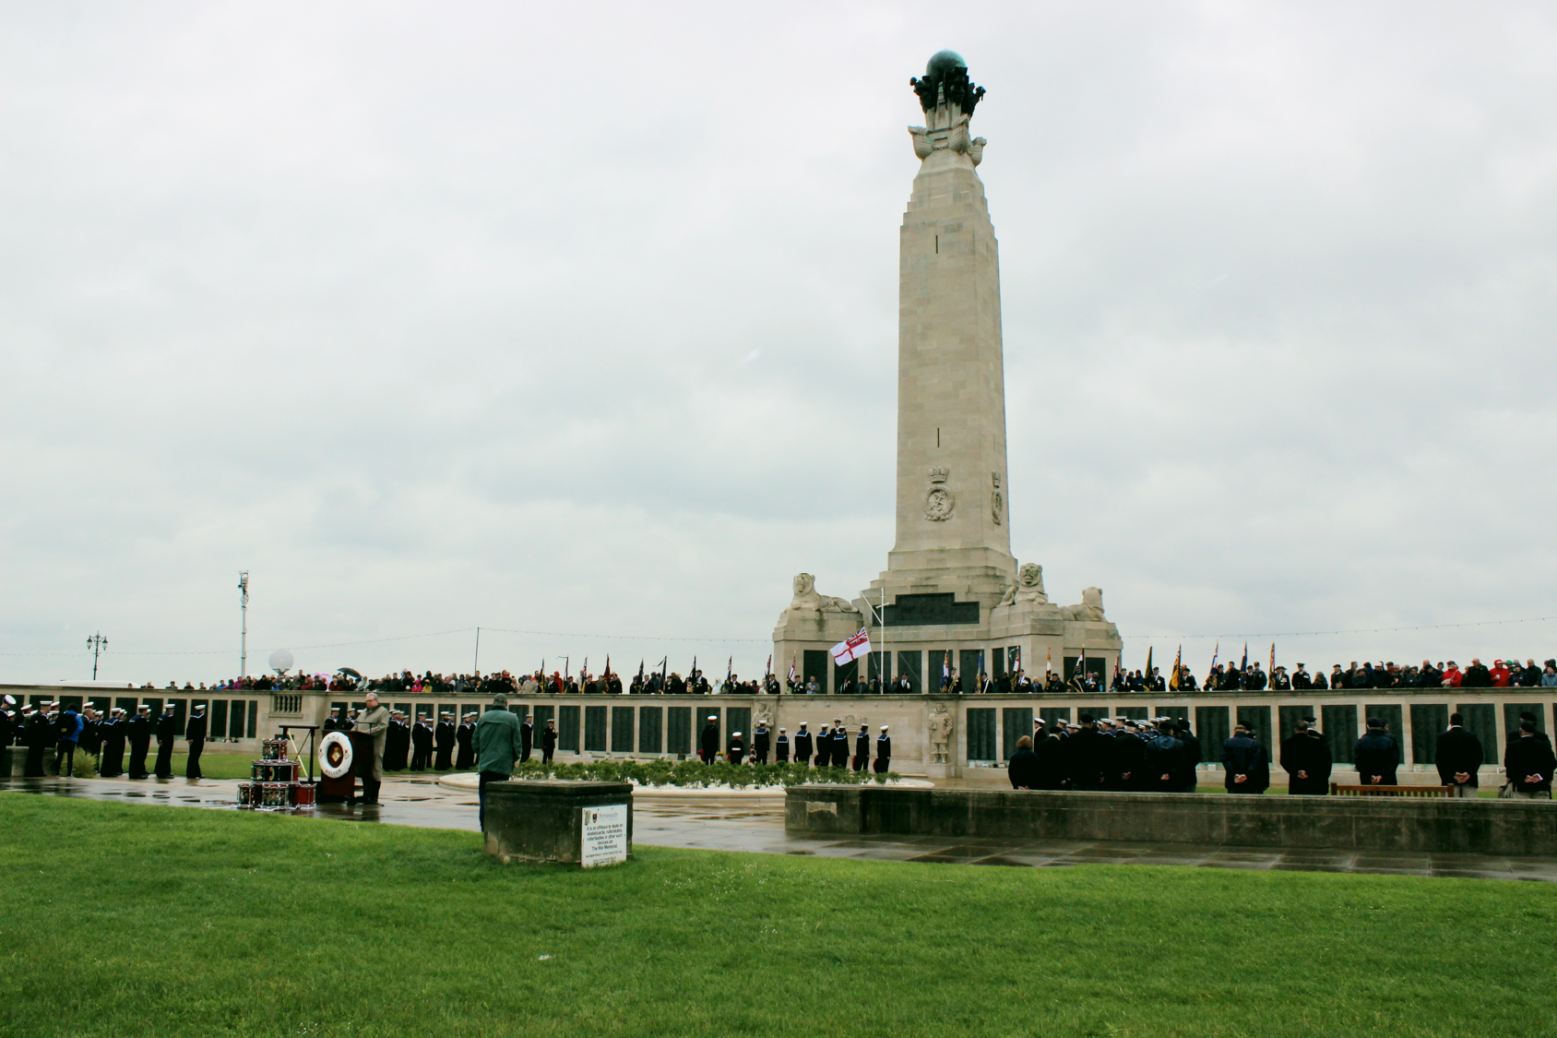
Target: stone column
[(951, 434)]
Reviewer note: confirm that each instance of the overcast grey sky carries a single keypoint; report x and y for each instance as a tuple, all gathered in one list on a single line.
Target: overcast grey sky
[(582, 318)]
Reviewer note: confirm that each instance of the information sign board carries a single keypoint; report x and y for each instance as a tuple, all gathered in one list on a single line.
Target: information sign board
[(605, 835)]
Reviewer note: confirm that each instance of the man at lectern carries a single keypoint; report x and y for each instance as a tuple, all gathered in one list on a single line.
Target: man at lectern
[(374, 723)]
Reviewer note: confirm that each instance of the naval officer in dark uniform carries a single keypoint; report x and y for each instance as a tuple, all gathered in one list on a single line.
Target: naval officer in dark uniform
[(1306, 759), (1377, 756), (1248, 770), (443, 743), (195, 732)]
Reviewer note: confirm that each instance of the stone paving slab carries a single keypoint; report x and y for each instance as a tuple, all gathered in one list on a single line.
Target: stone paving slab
[(739, 824)]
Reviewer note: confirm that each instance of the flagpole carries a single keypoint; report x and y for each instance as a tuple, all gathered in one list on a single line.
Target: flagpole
[(886, 657)]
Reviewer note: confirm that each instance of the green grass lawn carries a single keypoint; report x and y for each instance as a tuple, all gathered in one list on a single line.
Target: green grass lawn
[(214, 765), (159, 921)]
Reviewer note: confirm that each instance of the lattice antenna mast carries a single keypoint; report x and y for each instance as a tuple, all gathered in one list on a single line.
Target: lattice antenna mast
[(243, 638)]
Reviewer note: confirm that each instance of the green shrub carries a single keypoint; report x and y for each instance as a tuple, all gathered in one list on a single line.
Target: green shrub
[(83, 765), (696, 774)]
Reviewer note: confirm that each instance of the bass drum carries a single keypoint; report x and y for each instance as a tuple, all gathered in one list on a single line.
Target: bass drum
[(335, 755)]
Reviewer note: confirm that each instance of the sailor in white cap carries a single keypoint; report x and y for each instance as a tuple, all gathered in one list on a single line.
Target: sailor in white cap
[(167, 731), (781, 747), (708, 743), (861, 749), (883, 752), (113, 731), (195, 733), (840, 755), (38, 735), (737, 751), (802, 745), (138, 732), (8, 727)]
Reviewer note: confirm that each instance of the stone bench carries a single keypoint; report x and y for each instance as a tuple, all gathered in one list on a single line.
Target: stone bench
[(1338, 790)]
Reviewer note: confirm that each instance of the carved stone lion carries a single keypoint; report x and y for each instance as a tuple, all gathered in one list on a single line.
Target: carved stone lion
[(807, 600), (1028, 586), (1090, 607)]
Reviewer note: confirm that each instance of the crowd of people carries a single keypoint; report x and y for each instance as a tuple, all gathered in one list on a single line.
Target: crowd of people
[(444, 744), (51, 733), (831, 746), (1250, 676), (1160, 755), (349, 680), (1222, 677)]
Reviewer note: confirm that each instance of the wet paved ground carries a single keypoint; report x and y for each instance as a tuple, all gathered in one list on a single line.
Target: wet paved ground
[(757, 824)]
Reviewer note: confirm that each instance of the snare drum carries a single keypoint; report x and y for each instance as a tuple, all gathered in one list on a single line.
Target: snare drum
[(273, 749), (245, 794), (305, 794), (274, 794)]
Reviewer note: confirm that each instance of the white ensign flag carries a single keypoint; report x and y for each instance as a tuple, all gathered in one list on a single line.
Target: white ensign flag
[(852, 648)]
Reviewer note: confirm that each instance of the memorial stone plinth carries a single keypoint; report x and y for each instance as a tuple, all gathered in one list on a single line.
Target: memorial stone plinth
[(574, 823)]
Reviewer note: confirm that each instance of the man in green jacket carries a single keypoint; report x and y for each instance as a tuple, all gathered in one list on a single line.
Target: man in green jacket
[(498, 744)]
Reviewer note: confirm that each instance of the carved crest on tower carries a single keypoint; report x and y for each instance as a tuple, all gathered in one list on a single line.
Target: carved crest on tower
[(939, 502)]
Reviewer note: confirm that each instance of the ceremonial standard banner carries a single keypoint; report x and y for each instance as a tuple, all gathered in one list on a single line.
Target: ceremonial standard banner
[(851, 648)]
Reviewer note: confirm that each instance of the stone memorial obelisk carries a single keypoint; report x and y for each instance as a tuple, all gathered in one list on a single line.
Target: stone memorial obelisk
[(954, 602)]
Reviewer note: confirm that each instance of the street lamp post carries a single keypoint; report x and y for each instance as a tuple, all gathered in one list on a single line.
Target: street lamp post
[(97, 643), (243, 643)]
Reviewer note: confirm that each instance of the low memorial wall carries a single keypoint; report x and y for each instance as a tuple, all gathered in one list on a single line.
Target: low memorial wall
[(1511, 827), (572, 823)]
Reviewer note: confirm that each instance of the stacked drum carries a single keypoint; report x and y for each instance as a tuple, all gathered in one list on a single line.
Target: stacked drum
[(277, 784)]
